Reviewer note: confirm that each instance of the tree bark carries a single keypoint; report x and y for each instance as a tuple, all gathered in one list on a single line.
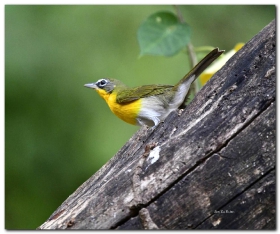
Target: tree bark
[(210, 166)]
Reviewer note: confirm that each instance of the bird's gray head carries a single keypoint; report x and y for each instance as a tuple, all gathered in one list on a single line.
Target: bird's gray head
[(105, 84)]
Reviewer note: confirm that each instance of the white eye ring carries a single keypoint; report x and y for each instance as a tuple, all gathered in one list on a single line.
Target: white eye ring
[(101, 82)]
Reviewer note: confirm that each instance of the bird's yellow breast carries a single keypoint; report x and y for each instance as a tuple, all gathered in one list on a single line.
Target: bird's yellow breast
[(128, 112)]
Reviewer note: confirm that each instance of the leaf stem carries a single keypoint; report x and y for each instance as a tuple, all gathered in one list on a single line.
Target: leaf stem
[(192, 56), (179, 14)]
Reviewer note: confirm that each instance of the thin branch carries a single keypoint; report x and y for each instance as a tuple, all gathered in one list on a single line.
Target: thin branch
[(192, 56)]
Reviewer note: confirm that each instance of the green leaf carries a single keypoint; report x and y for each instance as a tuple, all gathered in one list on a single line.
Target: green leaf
[(162, 34)]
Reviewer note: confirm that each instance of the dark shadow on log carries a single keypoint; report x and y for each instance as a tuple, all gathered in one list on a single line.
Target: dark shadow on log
[(210, 167)]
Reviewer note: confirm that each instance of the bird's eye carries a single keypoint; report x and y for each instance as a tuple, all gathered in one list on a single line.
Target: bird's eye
[(102, 83)]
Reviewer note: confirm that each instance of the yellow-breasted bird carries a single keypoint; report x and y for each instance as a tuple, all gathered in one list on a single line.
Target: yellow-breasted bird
[(149, 104)]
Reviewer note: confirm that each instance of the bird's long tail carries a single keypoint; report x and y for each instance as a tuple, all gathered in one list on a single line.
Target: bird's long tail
[(181, 89), (200, 67)]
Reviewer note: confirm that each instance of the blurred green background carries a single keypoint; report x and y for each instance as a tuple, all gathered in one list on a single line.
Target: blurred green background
[(58, 133)]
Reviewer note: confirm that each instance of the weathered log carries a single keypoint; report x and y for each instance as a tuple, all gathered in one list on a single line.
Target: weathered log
[(210, 166)]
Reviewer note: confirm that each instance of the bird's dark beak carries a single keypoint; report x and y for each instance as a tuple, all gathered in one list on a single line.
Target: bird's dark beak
[(91, 85)]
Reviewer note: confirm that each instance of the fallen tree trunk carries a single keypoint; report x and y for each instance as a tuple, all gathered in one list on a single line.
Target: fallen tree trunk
[(211, 166)]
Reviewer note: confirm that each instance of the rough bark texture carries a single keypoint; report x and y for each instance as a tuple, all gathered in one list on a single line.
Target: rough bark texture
[(211, 166)]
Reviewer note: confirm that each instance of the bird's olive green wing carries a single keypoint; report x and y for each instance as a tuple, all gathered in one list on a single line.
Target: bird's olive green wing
[(132, 94)]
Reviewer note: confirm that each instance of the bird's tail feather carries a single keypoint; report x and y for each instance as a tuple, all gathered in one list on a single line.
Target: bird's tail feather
[(200, 67)]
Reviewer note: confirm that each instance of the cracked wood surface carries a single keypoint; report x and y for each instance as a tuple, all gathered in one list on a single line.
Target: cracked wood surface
[(213, 165)]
